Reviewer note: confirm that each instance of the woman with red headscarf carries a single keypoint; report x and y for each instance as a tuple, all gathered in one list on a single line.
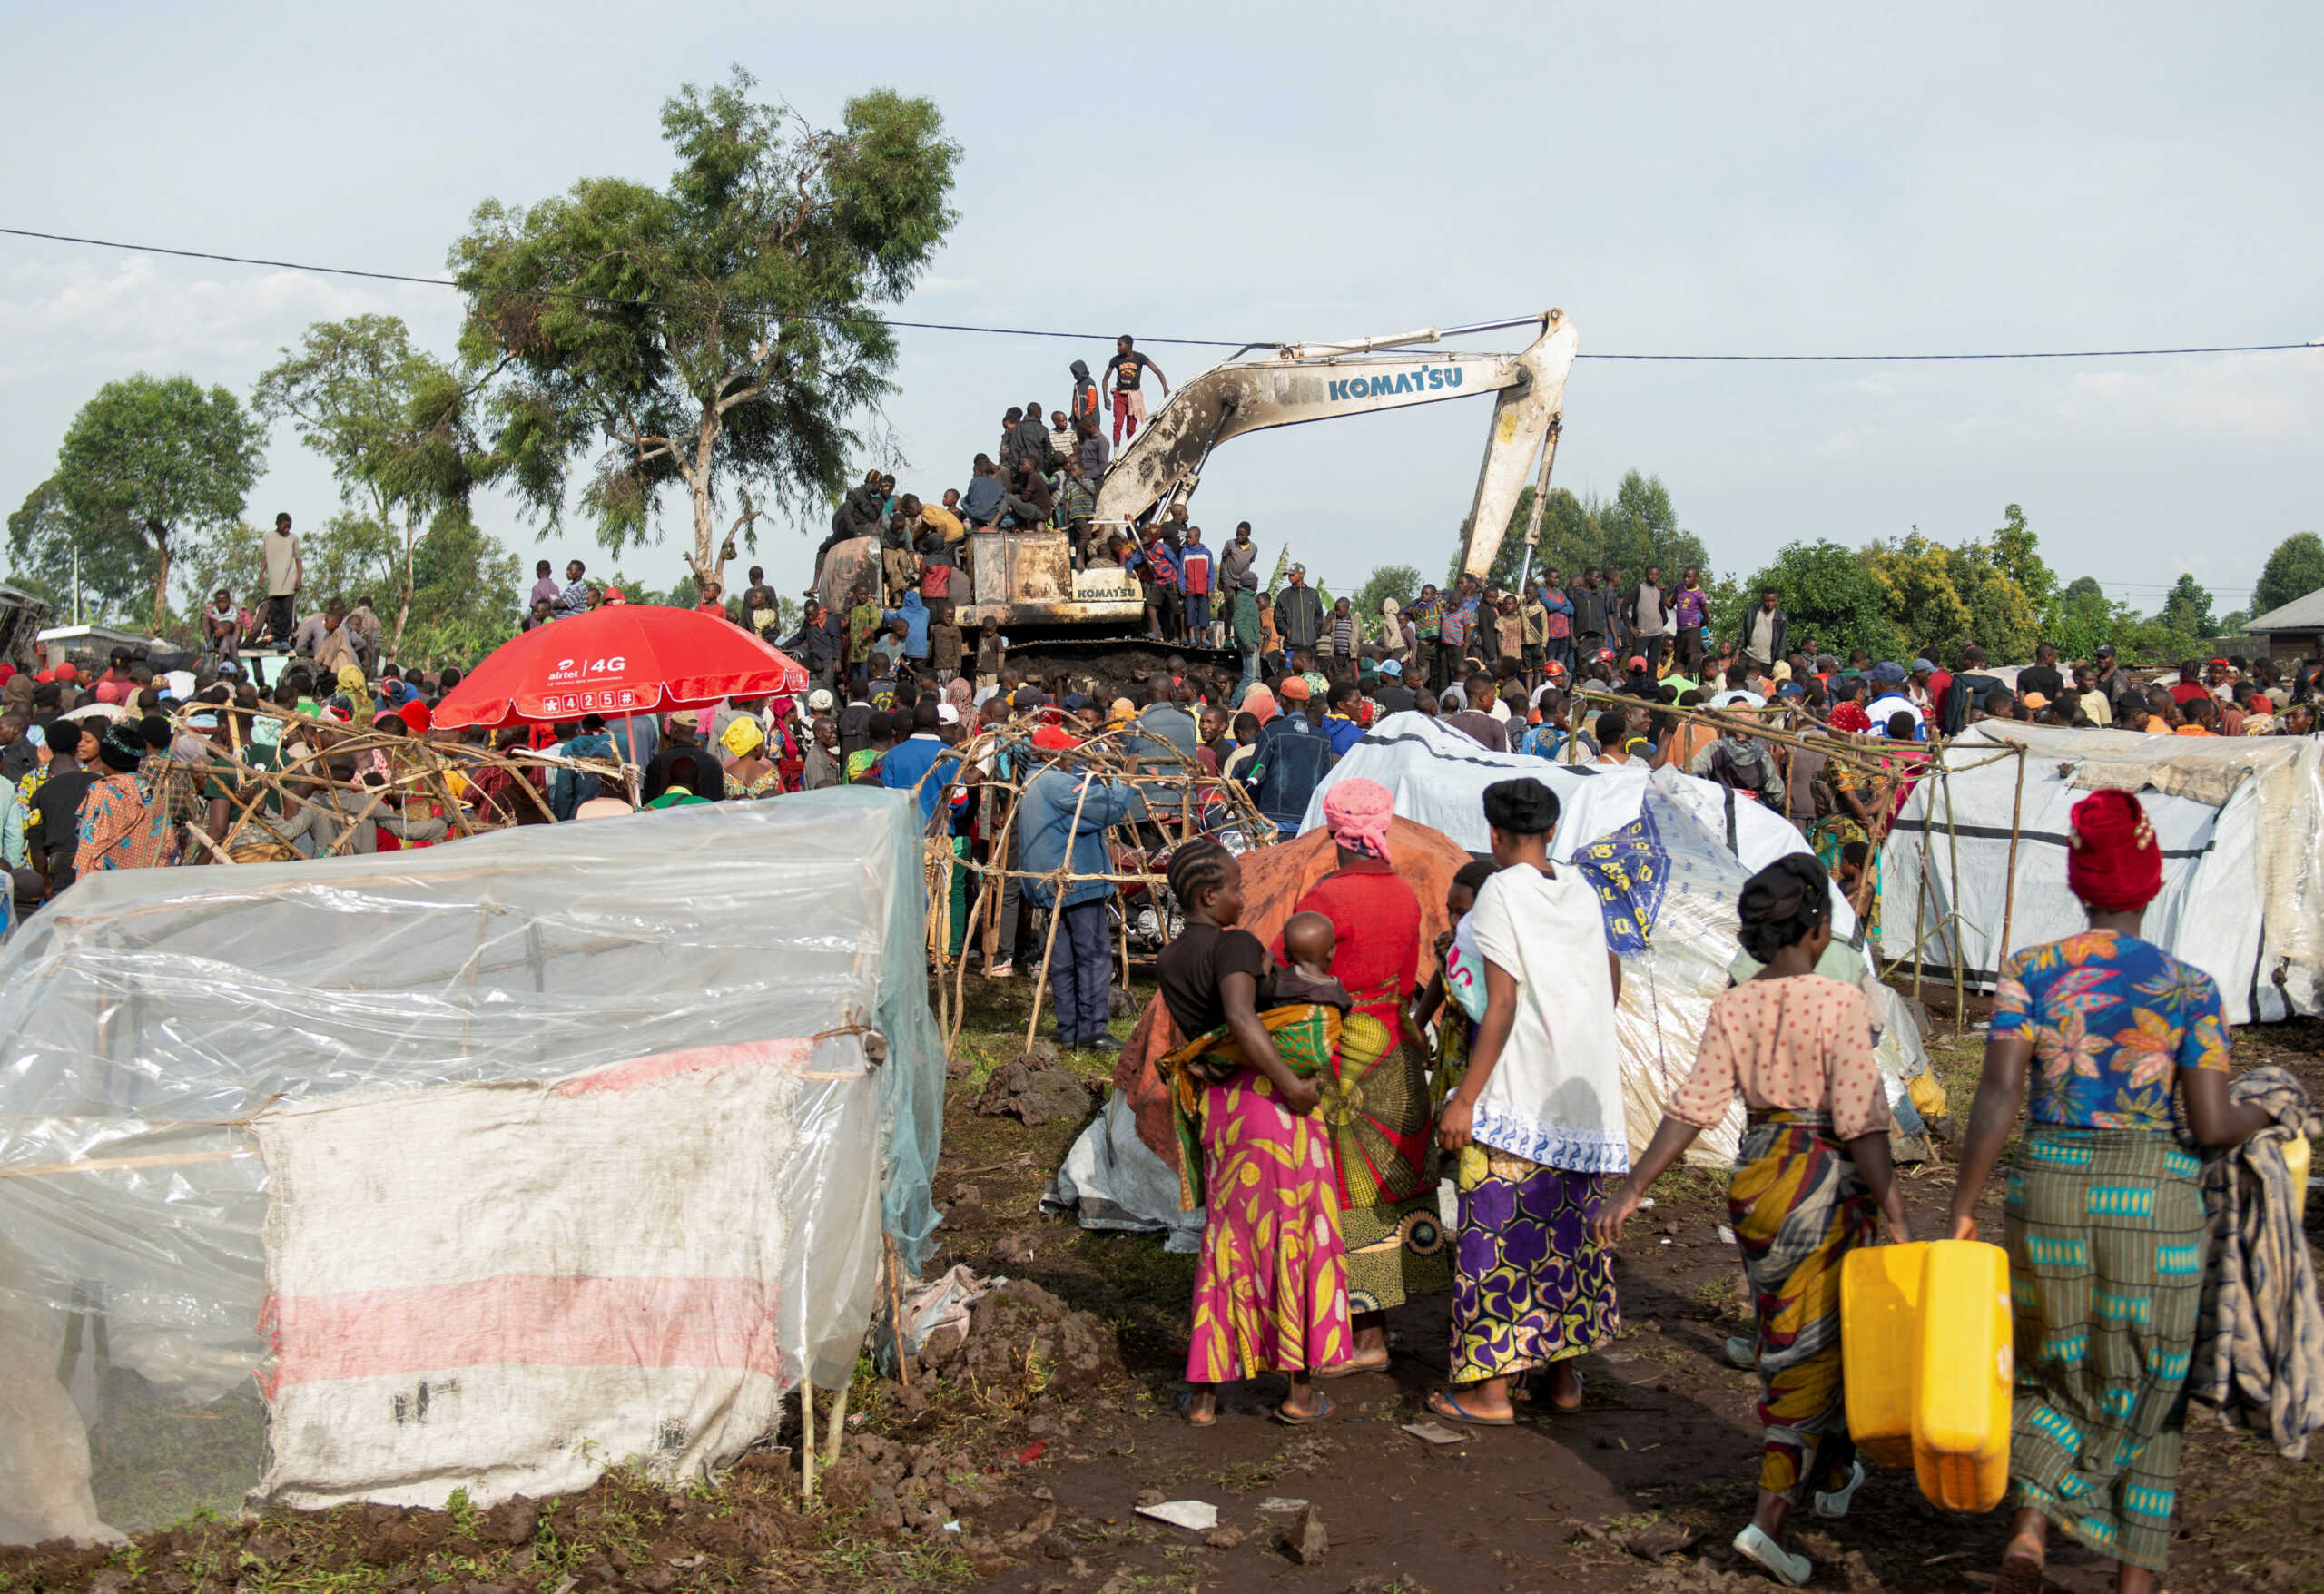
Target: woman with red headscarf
[(1375, 1098), (2104, 1222)]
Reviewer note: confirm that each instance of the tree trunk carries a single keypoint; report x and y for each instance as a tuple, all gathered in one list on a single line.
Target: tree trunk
[(707, 566), (161, 536), (403, 608)]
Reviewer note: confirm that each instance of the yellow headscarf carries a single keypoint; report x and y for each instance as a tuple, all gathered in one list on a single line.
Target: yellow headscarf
[(743, 738), (350, 681)]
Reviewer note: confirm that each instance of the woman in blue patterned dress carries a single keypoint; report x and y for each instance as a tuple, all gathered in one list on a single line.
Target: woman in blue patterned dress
[(2104, 1222)]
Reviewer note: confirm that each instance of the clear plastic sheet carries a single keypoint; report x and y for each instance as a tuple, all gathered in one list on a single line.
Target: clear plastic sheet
[(151, 1014)]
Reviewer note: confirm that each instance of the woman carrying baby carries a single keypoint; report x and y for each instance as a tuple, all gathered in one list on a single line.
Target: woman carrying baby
[(1271, 1283)]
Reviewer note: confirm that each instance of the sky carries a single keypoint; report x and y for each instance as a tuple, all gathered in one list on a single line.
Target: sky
[(1797, 179)]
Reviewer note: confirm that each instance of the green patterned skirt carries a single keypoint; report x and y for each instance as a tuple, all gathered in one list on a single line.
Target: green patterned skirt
[(2105, 1232)]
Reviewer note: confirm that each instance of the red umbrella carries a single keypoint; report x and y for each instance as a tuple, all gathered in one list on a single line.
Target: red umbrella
[(622, 659)]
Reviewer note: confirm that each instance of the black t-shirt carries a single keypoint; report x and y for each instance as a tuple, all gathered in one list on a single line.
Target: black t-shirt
[(1195, 964), (1128, 370), (1394, 700), (58, 804), (2042, 679), (1481, 728)]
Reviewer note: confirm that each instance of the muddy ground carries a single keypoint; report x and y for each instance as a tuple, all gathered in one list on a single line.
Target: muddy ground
[(1018, 1463)]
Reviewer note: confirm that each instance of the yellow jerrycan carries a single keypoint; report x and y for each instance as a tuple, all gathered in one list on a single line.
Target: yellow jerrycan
[(1926, 1342)]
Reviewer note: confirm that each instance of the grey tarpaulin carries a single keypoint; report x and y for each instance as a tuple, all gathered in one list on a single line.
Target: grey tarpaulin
[(151, 1016)]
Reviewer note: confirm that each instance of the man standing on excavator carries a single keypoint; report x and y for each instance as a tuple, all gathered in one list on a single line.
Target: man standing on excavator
[(1124, 373)]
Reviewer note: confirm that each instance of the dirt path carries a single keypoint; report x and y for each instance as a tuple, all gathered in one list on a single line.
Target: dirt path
[(1642, 1488)]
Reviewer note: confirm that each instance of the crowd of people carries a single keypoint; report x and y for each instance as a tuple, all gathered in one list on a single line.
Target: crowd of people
[(1317, 1220)]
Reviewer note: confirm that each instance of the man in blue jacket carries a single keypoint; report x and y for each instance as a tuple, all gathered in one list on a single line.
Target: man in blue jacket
[(1060, 823), (921, 763)]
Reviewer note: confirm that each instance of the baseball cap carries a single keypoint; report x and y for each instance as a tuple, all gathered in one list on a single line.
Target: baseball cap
[(2105, 650), (1922, 666), (1391, 667), (1637, 661), (689, 718), (946, 715), (819, 701), (1791, 689), (1889, 672), (1293, 690), (2036, 699)]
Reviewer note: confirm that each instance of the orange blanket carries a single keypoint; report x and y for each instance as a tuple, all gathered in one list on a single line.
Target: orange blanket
[(1274, 881)]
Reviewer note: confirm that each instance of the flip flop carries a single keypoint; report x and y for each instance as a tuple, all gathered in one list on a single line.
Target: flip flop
[(1186, 1410), (1291, 1419), (1350, 1369), (1444, 1405)]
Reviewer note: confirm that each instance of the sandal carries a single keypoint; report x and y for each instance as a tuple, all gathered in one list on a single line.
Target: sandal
[(1445, 1405), (1350, 1369), (1772, 1559), (1186, 1410), (1291, 1419)]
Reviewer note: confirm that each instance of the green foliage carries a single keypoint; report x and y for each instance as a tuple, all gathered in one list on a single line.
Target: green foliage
[(1941, 598), (2187, 609), (716, 335), (42, 534), (395, 427), (150, 469), (1401, 582), (234, 559), (1831, 594), (2016, 553), (2293, 571), (464, 601), (1636, 528)]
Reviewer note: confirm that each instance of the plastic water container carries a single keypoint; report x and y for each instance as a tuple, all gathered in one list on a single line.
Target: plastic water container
[(1880, 1311), (1962, 1379), (1926, 1343), (2295, 1163)]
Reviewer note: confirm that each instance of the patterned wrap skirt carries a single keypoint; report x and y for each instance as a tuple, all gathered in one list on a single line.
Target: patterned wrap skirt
[(1271, 1283), (1529, 1288), (2106, 1230), (1798, 1205)]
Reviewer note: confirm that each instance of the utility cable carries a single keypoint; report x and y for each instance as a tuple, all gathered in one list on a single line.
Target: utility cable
[(197, 254)]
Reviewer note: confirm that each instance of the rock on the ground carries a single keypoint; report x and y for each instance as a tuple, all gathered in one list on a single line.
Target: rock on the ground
[(1305, 1541), (1121, 1004), (1035, 1090)]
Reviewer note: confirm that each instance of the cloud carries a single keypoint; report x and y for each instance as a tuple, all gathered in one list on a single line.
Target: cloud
[(2265, 398), (70, 317)]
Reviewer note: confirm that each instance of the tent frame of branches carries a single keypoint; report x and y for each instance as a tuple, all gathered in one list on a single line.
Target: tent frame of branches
[(1171, 783), (418, 766), (1854, 752)]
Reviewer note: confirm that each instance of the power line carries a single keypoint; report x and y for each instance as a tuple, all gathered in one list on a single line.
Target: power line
[(197, 254)]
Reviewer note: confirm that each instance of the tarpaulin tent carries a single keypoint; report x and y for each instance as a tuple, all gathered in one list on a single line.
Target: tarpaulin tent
[(483, 1166), (1438, 776), (2242, 848)]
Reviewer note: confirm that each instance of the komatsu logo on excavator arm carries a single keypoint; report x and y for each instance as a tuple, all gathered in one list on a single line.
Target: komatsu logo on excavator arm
[(1419, 381)]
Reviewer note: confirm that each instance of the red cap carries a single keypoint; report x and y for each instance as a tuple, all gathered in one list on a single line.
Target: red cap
[(68, 671)]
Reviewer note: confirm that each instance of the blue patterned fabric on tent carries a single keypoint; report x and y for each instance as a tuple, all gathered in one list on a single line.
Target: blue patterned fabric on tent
[(1630, 870)]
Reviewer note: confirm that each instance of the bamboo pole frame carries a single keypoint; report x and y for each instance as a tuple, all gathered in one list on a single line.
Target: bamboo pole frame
[(1176, 793)]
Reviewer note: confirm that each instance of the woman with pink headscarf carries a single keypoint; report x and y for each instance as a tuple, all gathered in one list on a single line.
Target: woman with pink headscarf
[(1375, 1100)]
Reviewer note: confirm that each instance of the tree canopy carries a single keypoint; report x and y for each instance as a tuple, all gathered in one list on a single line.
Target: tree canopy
[(2187, 608), (1831, 595), (395, 425), (2293, 571), (719, 335), (150, 469)]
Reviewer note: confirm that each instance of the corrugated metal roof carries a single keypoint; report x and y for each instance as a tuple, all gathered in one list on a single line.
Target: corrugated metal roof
[(2304, 613)]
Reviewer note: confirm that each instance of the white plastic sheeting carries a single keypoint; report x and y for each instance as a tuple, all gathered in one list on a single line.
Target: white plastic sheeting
[(2243, 856), (608, 1090), (1438, 776)]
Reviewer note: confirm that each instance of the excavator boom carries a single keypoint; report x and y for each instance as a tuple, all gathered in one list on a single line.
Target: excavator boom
[(1300, 383)]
